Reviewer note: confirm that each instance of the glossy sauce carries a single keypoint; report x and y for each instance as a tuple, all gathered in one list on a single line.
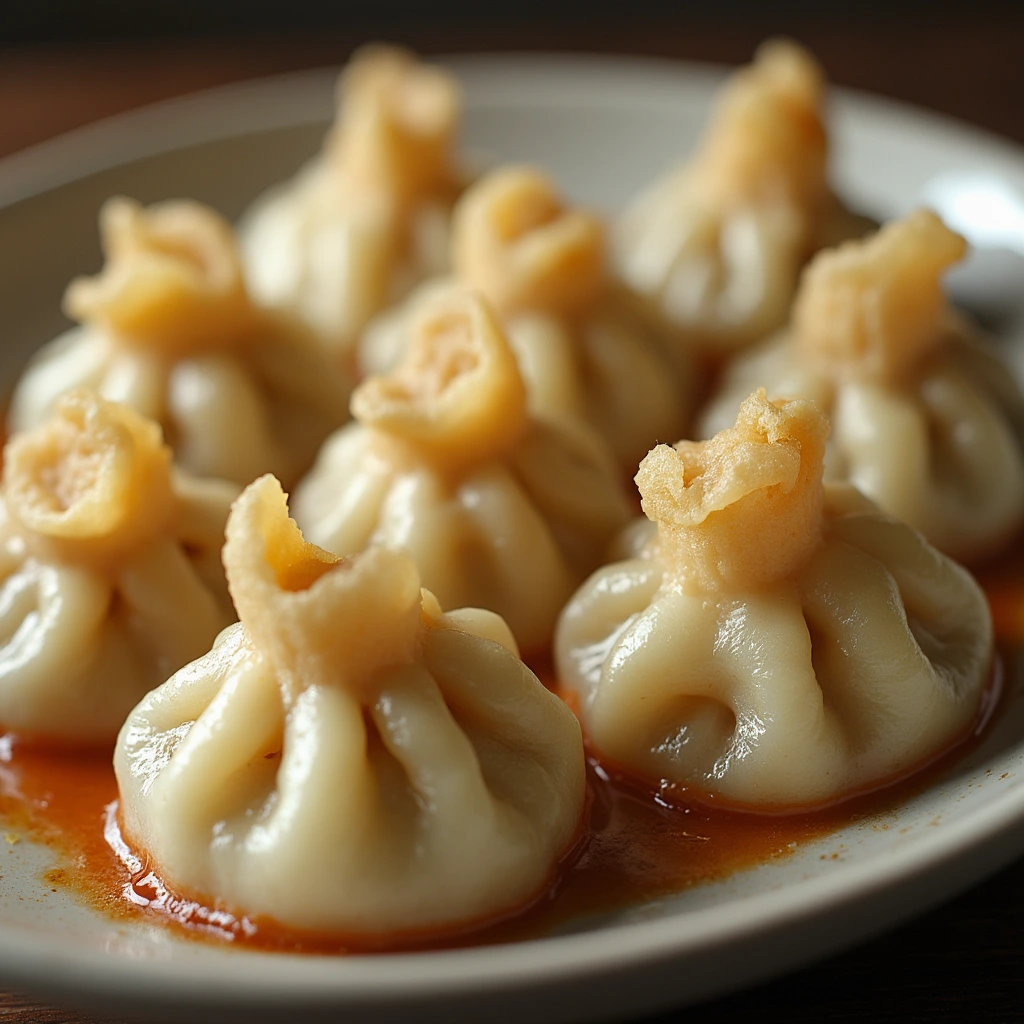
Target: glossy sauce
[(639, 845), (1003, 581)]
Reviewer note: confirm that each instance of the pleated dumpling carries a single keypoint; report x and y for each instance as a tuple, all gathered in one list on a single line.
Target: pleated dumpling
[(585, 346), (169, 329), (110, 575), (718, 243), (925, 421), (348, 758), (368, 218), (773, 642), (499, 509)]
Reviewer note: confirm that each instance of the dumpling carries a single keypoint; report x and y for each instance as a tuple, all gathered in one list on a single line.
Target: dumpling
[(584, 346), (368, 218), (169, 329), (348, 758), (498, 509), (925, 421), (773, 642), (110, 576), (718, 243)]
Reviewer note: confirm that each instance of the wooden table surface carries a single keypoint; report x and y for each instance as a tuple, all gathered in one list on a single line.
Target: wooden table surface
[(962, 962)]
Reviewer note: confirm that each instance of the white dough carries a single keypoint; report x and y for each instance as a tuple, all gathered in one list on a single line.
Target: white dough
[(771, 643), (718, 243), (169, 329), (499, 509), (348, 758), (585, 347), (368, 218), (925, 420), (110, 576)]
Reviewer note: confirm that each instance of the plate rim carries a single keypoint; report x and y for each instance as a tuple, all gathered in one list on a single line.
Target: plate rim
[(28, 960), (224, 111), (483, 969)]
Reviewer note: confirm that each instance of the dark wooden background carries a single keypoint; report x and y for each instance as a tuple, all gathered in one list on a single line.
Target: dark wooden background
[(961, 963)]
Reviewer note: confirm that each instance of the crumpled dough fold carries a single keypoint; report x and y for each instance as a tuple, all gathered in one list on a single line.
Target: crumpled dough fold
[(498, 508), (170, 329), (368, 218), (110, 578), (584, 345), (768, 641), (348, 758), (925, 420), (718, 243)]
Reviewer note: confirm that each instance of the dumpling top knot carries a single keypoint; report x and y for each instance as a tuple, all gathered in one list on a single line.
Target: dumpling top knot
[(515, 241), (396, 124), (873, 309), (767, 138), (172, 279), (318, 618), (95, 478), (744, 508), (457, 394)]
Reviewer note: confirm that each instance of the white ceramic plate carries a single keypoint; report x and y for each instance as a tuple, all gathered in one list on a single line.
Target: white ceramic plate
[(605, 127)]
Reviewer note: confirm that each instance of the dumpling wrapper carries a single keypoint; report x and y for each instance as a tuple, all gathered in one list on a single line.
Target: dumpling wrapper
[(773, 642), (169, 328), (718, 243), (925, 420), (110, 576), (348, 758), (585, 347), (367, 219), (498, 509)]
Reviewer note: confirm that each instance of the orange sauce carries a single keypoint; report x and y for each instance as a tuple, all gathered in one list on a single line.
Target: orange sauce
[(58, 798), (1003, 581), (638, 845)]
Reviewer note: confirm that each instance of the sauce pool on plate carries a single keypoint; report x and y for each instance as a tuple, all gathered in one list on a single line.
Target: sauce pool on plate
[(639, 844)]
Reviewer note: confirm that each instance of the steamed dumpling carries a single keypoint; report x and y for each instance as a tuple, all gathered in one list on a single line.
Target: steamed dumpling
[(110, 575), (368, 218), (584, 346), (925, 421), (498, 509), (773, 642), (718, 243), (169, 329), (349, 758)]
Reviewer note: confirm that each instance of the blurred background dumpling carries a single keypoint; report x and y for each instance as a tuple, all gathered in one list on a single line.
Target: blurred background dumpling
[(926, 420), (368, 218), (500, 509), (584, 345), (348, 758), (717, 244), (110, 575), (170, 329), (772, 642)]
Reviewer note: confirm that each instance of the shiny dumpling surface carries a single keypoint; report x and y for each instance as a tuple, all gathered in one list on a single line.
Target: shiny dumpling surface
[(925, 420), (170, 329), (348, 758), (772, 642), (110, 575), (499, 509), (369, 217)]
